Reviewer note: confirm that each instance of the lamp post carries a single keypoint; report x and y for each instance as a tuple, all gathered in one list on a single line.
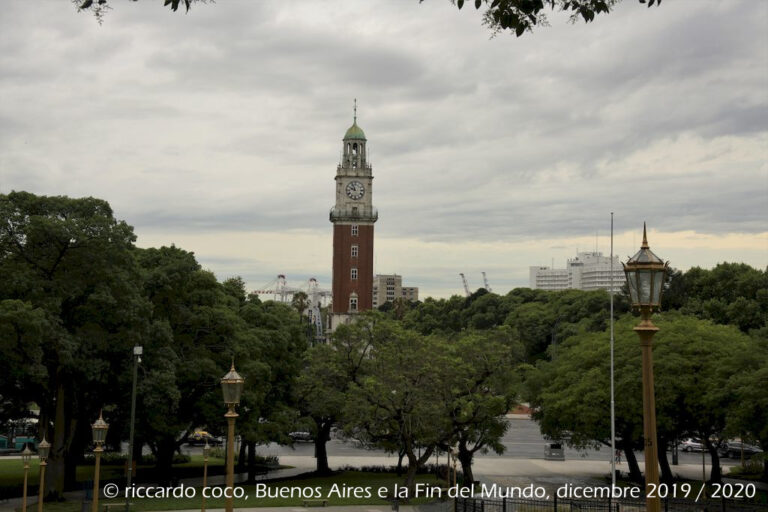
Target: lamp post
[(645, 276), (42, 451), (232, 388), (206, 453), (26, 456), (137, 351), (99, 429)]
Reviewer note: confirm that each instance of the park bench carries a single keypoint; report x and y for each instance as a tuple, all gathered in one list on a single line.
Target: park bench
[(315, 503)]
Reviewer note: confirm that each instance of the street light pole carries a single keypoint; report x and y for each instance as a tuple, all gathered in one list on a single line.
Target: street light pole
[(645, 331), (42, 451), (99, 436), (231, 387), (26, 455), (645, 278), (137, 351), (206, 452)]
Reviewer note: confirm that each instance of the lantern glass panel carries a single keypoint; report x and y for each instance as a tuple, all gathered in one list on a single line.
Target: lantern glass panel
[(99, 434), (658, 285), (26, 455), (43, 448), (644, 286), (206, 449), (231, 391), (632, 282)]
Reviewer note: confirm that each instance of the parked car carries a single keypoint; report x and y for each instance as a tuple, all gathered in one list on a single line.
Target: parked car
[(301, 436), (199, 437), (733, 449), (691, 445)]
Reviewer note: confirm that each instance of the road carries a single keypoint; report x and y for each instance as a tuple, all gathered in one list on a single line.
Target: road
[(522, 441)]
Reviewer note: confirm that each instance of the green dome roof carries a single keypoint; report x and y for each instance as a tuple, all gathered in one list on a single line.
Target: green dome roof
[(355, 132)]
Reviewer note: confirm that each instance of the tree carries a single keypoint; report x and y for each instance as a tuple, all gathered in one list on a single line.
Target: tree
[(748, 413), (481, 387), (396, 405), (693, 362), (329, 371), (519, 16), (68, 277)]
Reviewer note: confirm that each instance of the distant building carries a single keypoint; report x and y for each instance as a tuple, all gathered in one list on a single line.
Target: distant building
[(587, 271), (388, 287)]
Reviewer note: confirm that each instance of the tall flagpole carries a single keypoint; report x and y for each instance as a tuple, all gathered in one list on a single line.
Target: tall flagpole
[(613, 411)]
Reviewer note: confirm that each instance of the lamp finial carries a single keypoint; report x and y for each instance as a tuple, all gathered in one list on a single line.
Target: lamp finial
[(233, 363), (645, 239)]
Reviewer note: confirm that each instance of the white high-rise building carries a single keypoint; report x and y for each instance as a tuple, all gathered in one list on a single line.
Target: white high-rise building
[(587, 271)]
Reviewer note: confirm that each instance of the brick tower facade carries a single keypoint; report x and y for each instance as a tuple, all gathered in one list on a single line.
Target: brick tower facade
[(353, 217)]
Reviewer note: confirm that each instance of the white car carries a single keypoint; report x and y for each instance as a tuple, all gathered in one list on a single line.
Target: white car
[(691, 445)]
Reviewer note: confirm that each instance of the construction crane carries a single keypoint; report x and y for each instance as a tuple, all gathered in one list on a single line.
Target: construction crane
[(485, 280), (466, 286)]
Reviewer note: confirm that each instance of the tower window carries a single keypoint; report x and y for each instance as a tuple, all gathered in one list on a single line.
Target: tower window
[(354, 230), (353, 273), (353, 303), (354, 251)]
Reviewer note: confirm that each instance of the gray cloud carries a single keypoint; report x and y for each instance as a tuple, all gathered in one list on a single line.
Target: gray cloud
[(230, 118)]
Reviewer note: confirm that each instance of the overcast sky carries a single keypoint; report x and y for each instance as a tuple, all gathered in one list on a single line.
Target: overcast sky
[(219, 130)]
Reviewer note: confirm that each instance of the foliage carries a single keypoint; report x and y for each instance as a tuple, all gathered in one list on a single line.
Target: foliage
[(693, 362), (519, 16), (71, 302), (730, 293)]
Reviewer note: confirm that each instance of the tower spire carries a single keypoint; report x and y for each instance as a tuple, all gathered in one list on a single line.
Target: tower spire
[(355, 109)]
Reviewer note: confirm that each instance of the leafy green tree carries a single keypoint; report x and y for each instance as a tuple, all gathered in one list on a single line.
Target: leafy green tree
[(195, 330), (693, 362), (397, 403), (748, 413), (67, 266), (329, 371), (480, 388)]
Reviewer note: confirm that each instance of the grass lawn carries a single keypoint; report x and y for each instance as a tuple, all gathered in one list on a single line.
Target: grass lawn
[(12, 470), (344, 480)]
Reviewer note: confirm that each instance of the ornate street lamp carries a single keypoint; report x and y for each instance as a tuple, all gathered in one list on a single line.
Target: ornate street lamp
[(231, 387), (206, 453), (26, 456), (645, 276), (99, 429), (42, 451)]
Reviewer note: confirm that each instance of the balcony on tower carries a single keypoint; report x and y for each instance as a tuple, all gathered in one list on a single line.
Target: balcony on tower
[(354, 214)]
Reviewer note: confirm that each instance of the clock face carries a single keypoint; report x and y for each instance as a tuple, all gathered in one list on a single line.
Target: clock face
[(355, 190)]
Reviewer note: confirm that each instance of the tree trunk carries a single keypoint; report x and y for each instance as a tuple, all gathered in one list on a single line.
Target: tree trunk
[(410, 475), (634, 468), (399, 469), (321, 451), (666, 472), (251, 461), (241, 457), (165, 449), (465, 457), (716, 475), (55, 474)]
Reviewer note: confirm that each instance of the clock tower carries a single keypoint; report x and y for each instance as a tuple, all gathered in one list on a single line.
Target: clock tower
[(353, 217)]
